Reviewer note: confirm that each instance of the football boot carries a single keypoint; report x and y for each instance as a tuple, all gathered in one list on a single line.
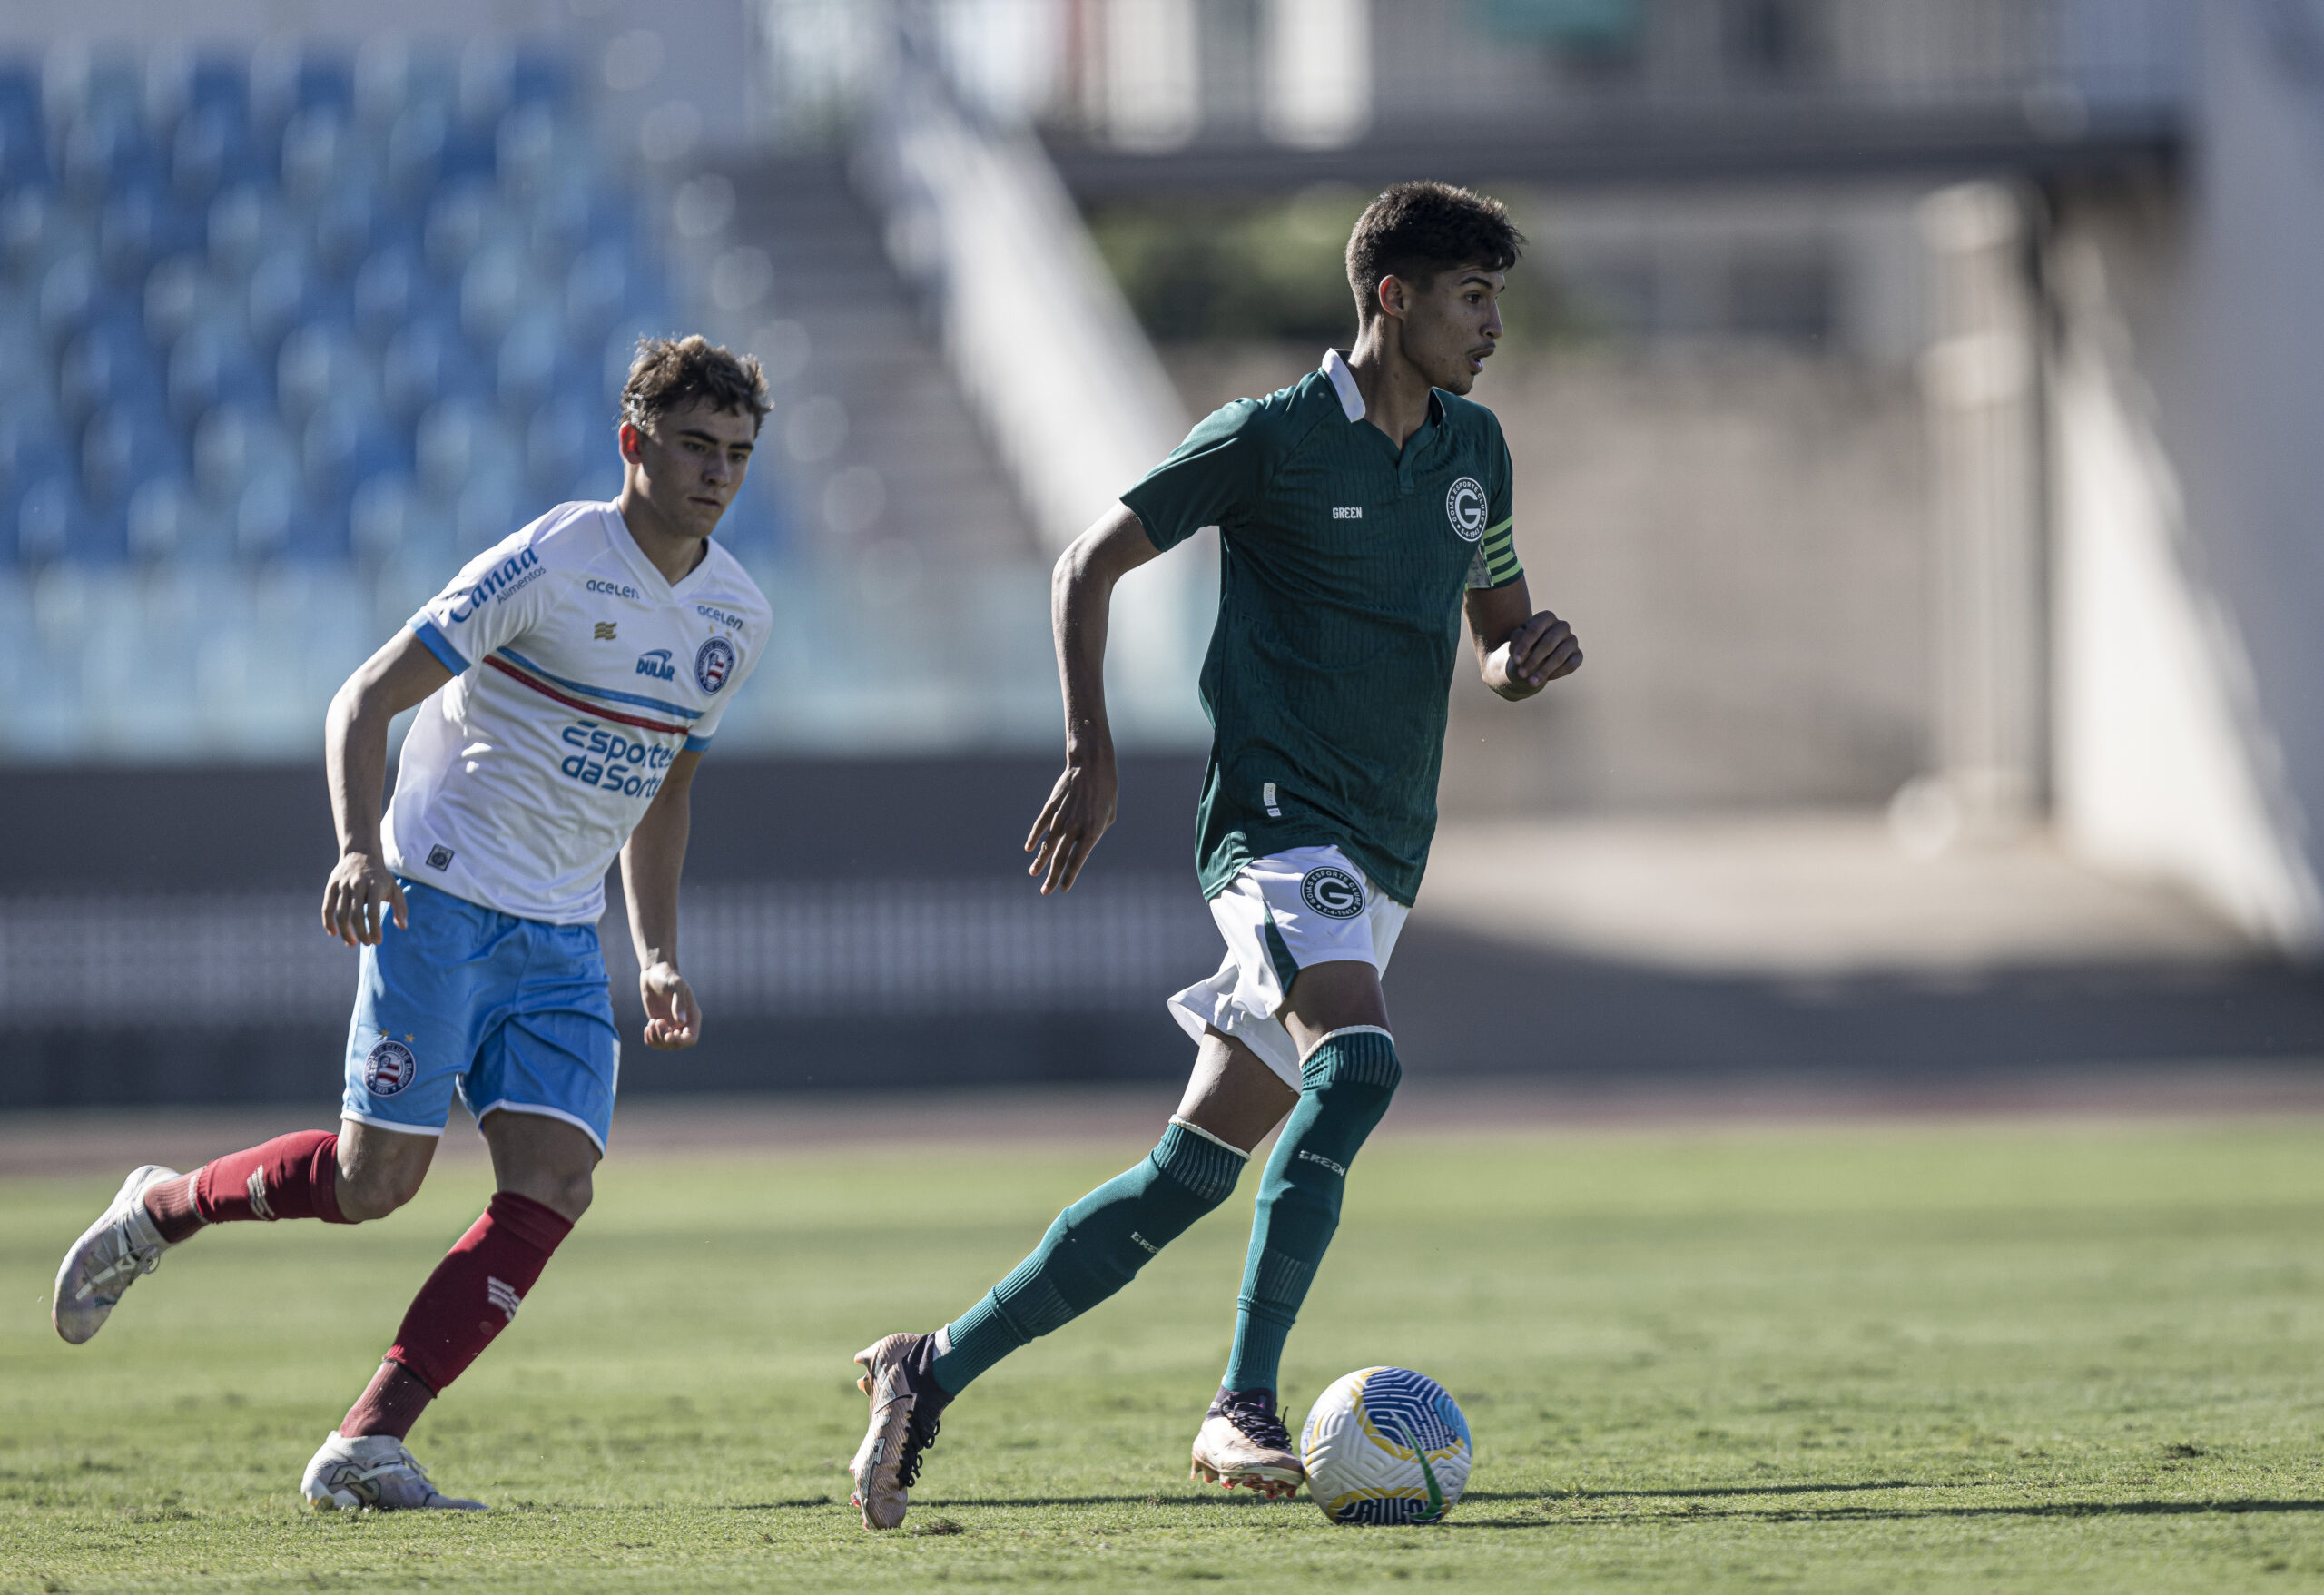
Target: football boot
[(906, 1405), (1242, 1441), (373, 1470), (108, 1259)]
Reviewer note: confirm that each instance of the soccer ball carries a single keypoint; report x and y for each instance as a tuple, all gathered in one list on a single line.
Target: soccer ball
[(1385, 1445)]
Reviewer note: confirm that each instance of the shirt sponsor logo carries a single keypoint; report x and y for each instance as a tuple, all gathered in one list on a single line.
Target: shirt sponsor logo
[(440, 857), (499, 581), (713, 662), (389, 1068), (612, 763), (732, 623), (656, 663), (1464, 507), (610, 589), (1347, 512), (1332, 892)]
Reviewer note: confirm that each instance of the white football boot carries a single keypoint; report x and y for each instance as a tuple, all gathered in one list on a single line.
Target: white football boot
[(108, 1259), (1242, 1441), (906, 1405), (374, 1471)]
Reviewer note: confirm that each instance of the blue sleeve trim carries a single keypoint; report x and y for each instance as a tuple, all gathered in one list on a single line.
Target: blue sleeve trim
[(694, 744), (438, 645)]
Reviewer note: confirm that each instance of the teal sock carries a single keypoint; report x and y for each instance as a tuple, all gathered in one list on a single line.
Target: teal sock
[(1345, 1085), (1095, 1248)]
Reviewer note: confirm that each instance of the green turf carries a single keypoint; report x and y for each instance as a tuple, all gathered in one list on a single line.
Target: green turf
[(1854, 1359)]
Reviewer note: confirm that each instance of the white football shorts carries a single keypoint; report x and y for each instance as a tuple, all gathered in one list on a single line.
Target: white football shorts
[(1310, 905)]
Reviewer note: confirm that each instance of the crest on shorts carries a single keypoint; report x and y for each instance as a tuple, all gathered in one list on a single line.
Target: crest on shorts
[(1464, 507), (389, 1068), (1332, 892), (713, 663)]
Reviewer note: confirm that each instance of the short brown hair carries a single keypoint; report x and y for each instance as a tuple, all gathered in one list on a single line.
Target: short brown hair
[(1416, 231), (670, 373)]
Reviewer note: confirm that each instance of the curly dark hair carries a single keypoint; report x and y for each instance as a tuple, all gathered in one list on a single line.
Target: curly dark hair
[(669, 373), (1417, 230)]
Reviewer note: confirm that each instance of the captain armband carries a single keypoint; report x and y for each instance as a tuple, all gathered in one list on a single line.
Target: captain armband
[(1496, 564)]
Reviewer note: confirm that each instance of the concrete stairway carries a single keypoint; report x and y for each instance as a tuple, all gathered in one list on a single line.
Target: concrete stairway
[(874, 438)]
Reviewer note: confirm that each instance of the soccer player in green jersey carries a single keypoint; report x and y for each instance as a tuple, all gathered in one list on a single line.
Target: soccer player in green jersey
[(1361, 511)]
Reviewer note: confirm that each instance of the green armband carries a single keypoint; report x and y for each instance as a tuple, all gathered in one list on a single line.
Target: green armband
[(1497, 563)]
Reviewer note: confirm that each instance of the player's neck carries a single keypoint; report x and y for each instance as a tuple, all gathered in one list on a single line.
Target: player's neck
[(1395, 391), (666, 550)]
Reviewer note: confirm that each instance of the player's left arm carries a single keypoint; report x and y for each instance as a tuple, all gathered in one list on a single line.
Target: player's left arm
[(650, 860), (1519, 652)]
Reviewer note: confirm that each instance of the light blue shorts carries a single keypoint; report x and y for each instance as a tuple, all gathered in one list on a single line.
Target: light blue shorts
[(510, 1013)]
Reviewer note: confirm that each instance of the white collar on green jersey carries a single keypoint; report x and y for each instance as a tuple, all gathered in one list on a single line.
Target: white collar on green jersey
[(1343, 384)]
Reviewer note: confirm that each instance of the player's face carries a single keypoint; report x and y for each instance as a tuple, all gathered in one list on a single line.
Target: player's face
[(691, 464), (1451, 324)]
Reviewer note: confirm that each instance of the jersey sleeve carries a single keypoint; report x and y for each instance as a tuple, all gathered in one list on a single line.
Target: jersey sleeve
[(1496, 564), (1220, 465), (496, 598)]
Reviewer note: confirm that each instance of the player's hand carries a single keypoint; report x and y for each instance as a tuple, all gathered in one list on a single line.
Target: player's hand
[(1080, 808), (1535, 654), (673, 1018), (357, 897)]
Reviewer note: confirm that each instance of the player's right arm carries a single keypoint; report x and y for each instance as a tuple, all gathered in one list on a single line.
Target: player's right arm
[(1217, 470), (1081, 595), (360, 891)]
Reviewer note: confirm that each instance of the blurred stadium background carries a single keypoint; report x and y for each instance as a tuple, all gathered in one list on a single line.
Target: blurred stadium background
[(1912, 402)]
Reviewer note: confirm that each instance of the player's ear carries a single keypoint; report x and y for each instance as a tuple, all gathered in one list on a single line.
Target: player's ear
[(1394, 297), (633, 442)]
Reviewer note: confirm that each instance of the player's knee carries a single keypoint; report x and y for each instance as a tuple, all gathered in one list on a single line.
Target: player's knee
[(571, 1194), (566, 1191), (1353, 1063), (373, 1190), (1200, 1167)]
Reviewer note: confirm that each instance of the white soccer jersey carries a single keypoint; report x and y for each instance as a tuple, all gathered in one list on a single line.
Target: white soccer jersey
[(579, 674)]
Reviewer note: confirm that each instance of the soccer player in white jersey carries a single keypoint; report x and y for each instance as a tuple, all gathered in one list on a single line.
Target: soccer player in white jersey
[(567, 682)]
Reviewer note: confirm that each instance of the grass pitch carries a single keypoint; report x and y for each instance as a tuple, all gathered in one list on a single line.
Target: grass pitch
[(1876, 1359)]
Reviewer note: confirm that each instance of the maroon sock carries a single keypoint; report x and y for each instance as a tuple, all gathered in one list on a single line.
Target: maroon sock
[(170, 1205), (390, 1405), (291, 1176), (475, 1290)]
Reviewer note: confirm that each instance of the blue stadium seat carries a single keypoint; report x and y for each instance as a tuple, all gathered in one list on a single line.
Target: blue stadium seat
[(123, 446), (47, 510), (107, 362), (214, 364), (24, 142), (306, 307)]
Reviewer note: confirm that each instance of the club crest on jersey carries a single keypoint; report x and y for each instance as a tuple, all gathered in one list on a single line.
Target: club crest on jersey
[(656, 663), (713, 662), (1464, 507), (389, 1068), (1332, 892)]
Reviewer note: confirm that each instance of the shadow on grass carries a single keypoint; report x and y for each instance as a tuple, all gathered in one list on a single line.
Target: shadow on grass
[(1679, 1494), (779, 1505), (1228, 1502), (1867, 1514)]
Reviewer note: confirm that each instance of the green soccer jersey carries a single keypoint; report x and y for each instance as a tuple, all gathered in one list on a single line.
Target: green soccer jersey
[(1339, 614)]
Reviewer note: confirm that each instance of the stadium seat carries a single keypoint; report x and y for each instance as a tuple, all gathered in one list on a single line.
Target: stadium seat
[(320, 321)]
